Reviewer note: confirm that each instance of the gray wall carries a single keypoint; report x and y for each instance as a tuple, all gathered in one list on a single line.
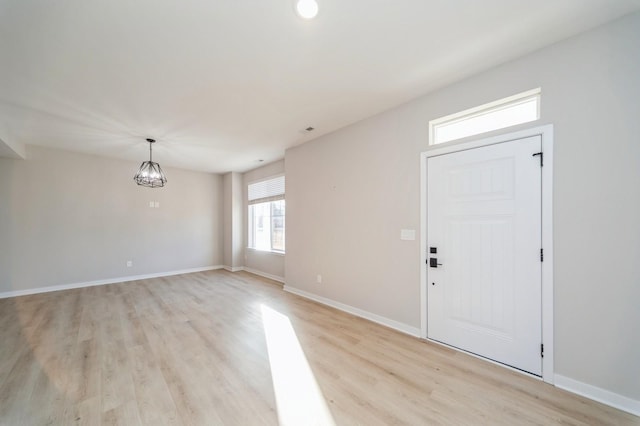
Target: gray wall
[(233, 217), (69, 218), (349, 194), (227, 220), (238, 220), (265, 262)]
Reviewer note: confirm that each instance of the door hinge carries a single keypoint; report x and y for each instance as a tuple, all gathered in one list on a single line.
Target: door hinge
[(541, 154), (541, 350), (541, 255)]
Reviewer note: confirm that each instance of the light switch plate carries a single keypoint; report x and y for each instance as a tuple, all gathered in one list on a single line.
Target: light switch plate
[(408, 234)]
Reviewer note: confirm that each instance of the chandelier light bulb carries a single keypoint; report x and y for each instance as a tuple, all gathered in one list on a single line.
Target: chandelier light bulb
[(307, 9)]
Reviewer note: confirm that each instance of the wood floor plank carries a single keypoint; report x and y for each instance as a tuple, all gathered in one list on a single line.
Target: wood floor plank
[(194, 350), (155, 404), (123, 415)]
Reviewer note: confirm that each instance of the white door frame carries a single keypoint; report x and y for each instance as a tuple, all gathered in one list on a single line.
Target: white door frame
[(546, 133)]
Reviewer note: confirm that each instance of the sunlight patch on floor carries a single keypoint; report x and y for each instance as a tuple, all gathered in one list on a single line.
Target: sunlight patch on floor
[(298, 396)]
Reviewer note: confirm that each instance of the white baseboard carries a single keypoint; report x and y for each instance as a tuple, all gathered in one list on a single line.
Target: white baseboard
[(598, 394), (264, 274), (103, 282), (254, 272), (396, 325)]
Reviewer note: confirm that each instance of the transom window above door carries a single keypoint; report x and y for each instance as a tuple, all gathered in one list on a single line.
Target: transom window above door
[(517, 109)]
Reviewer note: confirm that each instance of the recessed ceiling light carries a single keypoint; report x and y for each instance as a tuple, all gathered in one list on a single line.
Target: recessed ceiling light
[(307, 9)]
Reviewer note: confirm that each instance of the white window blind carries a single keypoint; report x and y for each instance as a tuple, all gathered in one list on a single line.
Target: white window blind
[(266, 190)]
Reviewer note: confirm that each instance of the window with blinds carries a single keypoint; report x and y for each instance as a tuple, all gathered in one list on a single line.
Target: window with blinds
[(266, 218), (266, 190)]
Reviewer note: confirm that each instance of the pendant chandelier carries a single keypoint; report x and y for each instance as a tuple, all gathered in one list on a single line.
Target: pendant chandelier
[(150, 174)]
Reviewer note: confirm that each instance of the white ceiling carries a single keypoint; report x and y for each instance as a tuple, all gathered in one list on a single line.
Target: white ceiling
[(224, 83)]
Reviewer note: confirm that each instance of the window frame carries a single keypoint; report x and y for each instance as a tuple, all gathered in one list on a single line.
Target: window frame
[(495, 106), (270, 200)]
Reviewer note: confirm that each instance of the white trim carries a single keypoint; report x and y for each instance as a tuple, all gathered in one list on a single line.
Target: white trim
[(276, 253), (598, 394), (254, 272), (48, 289), (264, 274), (396, 325), (546, 133), (423, 245)]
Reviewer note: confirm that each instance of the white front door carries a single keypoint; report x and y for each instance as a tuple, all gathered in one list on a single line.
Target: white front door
[(484, 228)]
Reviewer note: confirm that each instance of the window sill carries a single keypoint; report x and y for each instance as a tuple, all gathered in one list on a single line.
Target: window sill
[(277, 253)]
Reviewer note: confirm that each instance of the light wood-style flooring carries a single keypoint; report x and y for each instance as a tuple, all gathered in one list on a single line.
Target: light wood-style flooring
[(218, 348)]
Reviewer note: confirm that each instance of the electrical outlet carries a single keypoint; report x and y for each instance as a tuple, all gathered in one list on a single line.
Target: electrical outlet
[(151, 204), (129, 263), (319, 278), (156, 204)]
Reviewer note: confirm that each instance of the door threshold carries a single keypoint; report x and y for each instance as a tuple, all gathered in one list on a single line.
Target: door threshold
[(483, 358)]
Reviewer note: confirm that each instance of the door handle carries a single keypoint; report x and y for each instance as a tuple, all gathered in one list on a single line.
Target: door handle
[(433, 262)]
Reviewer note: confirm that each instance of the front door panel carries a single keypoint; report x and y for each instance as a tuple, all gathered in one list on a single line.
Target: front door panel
[(484, 222)]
